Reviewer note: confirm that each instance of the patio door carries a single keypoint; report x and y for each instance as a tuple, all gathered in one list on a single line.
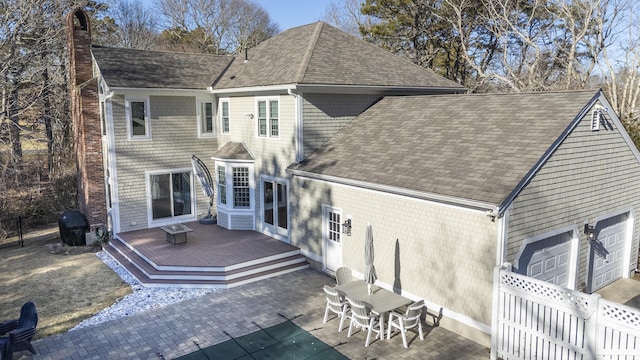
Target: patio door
[(331, 238), (275, 207)]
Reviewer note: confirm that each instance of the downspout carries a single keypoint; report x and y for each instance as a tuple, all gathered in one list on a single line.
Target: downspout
[(298, 124)]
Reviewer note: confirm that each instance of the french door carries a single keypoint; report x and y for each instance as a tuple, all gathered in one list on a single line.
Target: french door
[(275, 206)]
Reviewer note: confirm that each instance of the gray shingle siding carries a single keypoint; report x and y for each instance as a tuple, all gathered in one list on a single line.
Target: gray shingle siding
[(590, 175), (325, 114), (173, 140)]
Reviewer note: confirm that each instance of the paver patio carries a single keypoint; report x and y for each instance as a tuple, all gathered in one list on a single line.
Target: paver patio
[(169, 332)]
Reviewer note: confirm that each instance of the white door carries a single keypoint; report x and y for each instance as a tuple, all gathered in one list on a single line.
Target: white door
[(606, 253), (275, 207), (548, 259), (331, 238)]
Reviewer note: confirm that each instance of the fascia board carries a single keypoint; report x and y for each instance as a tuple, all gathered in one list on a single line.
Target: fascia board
[(450, 200), (545, 157)]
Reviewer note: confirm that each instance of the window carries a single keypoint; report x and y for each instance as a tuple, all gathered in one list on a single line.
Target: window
[(235, 185), (206, 117), (224, 116), (241, 188), (222, 185), (268, 118), (170, 195), (138, 119)]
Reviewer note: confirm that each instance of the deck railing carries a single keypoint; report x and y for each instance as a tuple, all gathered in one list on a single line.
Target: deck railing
[(537, 320)]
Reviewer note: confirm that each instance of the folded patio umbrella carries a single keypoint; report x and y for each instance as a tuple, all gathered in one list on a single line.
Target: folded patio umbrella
[(369, 269)]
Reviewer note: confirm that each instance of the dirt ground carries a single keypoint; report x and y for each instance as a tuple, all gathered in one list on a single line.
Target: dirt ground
[(67, 284)]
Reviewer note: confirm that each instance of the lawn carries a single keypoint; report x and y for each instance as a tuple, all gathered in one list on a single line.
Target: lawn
[(67, 284)]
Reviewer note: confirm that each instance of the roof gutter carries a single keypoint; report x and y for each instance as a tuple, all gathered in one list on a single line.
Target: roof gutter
[(486, 207), (527, 178), (253, 89), (377, 89)]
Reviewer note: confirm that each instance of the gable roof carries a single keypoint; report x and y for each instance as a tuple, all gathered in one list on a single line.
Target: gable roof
[(233, 151), (320, 54), (477, 148), (130, 68)]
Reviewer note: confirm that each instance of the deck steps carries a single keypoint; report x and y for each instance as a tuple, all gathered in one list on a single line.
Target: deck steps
[(154, 275)]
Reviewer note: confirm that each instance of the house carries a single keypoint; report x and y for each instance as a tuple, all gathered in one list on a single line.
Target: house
[(454, 185), (313, 134)]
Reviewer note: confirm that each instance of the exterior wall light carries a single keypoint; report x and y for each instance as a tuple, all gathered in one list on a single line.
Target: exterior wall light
[(590, 232), (346, 227)]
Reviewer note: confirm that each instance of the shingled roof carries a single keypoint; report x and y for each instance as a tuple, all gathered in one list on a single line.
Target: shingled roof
[(314, 54), (321, 54), (474, 147), (129, 68)]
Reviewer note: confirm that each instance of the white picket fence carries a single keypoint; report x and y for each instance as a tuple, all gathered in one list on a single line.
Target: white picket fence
[(538, 320)]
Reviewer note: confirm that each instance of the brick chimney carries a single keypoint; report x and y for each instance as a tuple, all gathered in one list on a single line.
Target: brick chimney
[(85, 114)]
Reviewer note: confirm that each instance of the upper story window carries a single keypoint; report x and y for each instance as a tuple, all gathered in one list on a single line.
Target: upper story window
[(268, 118), (138, 119), (206, 118), (224, 116)]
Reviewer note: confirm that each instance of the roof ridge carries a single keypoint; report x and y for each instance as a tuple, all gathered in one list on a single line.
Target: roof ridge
[(304, 65)]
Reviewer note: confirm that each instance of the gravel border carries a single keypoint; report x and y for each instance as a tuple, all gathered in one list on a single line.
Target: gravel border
[(141, 299)]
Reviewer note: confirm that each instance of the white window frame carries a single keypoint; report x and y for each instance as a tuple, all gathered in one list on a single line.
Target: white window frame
[(202, 132), (220, 110), (172, 219), (269, 124), (230, 206), (147, 118), (274, 229)]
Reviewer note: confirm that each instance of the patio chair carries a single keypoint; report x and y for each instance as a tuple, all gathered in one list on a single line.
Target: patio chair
[(343, 275), (363, 318), (19, 332), (409, 320), (335, 305)]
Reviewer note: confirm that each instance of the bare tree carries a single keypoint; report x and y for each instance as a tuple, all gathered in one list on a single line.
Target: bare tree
[(347, 16), (135, 25), (620, 74), (216, 26), (537, 44)]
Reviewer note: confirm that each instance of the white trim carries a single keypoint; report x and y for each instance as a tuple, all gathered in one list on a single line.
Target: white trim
[(573, 257), (228, 207), (200, 118), (628, 242), (172, 219), (158, 92), (342, 89), (620, 127), (113, 168), (267, 100), (326, 208), (265, 228), (220, 101), (147, 118), (503, 237), (299, 125)]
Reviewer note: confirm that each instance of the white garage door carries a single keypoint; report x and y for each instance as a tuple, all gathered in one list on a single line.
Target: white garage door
[(547, 259), (607, 252)]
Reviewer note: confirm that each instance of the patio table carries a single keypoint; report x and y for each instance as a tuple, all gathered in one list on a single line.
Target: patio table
[(381, 300)]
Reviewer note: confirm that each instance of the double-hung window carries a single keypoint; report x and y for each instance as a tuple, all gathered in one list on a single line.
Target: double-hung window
[(206, 118), (224, 116), (268, 118), (138, 118)]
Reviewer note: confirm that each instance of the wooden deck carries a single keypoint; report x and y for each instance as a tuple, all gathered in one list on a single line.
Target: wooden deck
[(211, 257)]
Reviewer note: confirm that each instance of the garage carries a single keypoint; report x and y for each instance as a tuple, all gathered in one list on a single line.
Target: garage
[(547, 259), (606, 253)]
